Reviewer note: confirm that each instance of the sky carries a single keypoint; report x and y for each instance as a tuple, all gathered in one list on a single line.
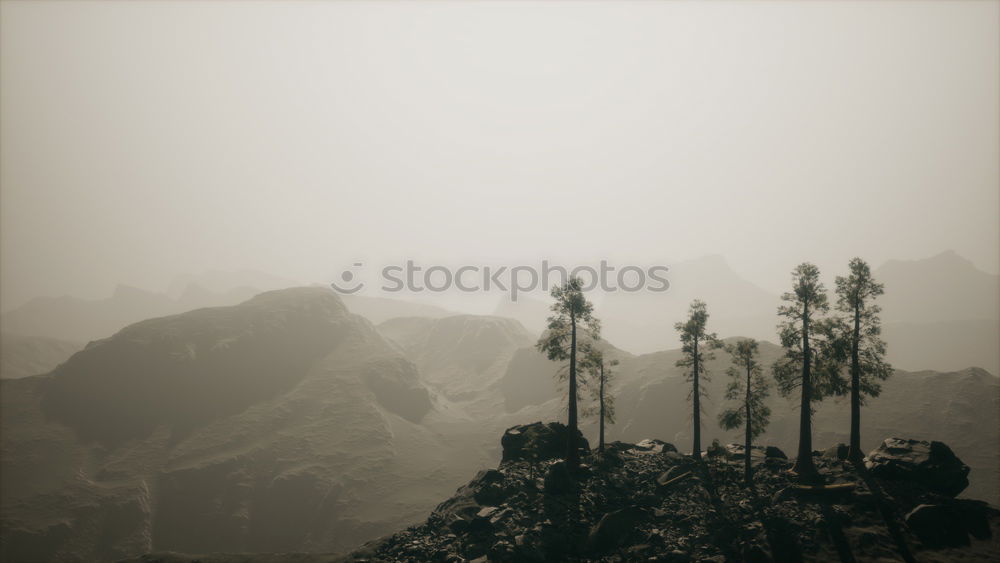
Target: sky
[(143, 140)]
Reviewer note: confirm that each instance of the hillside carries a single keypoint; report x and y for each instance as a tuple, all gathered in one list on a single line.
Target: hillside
[(462, 356), (944, 345), (283, 423)]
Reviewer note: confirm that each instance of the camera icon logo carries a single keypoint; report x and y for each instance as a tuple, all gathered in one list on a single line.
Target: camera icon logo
[(347, 276)]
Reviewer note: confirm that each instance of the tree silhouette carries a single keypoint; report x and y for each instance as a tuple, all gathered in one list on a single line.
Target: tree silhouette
[(813, 356), (571, 312), (696, 344), (600, 377), (747, 383), (855, 296)]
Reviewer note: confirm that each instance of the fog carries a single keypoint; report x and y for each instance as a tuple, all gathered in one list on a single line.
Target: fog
[(181, 183), (145, 140)]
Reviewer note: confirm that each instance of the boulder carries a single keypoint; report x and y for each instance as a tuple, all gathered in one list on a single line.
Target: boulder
[(614, 529), (949, 524), (931, 465), (652, 446), (538, 442), (838, 452), (774, 452)]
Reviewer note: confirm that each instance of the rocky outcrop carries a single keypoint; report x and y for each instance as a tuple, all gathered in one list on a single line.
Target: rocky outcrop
[(655, 504), (538, 442), (931, 464)]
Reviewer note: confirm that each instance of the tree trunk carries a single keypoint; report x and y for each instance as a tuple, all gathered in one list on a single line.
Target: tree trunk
[(572, 453), (854, 453), (746, 451), (696, 448), (600, 446), (804, 462)]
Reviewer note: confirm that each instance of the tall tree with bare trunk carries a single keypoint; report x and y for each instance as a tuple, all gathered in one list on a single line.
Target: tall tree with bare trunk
[(862, 328), (749, 386), (571, 313), (697, 345), (813, 357), (601, 376)]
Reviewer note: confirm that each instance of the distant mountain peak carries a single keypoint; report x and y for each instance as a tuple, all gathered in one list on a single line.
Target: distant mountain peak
[(298, 298), (123, 290), (947, 258)]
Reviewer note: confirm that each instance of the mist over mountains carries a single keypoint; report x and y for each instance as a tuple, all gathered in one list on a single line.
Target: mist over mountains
[(942, 300), (939, 313), (290, 422)]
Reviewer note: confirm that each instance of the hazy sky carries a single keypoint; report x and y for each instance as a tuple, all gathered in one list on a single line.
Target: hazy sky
[(144, 140)]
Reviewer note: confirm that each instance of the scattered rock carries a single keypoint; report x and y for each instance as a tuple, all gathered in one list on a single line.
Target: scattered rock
[(669, 475), (838, 452), (479, 527), (614, 529), (484, 490), (715, 449), (558, 479), (931, 464), (617, 513), (675, 457)]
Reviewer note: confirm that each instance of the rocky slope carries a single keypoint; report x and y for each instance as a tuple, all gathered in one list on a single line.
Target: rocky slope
[(462, 356), (647, 502)]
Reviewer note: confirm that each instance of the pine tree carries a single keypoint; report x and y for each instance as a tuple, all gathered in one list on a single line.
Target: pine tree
[(696, 344), (601, 377), (855, 296), (571, 313), (748, 385), (813, 356)]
